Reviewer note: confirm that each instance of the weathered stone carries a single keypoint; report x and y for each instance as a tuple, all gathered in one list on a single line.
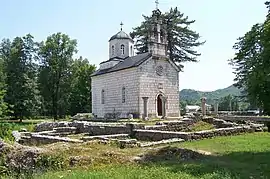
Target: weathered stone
[(154, 135), (23, 159), (168, 141), (105, 137), (127, 143), (42, 139), (65, 129), (130, 116), (83, 117), (48, 126), (17, 135)]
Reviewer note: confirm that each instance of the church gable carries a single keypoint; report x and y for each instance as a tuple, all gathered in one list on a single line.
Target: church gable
[(159, 66)]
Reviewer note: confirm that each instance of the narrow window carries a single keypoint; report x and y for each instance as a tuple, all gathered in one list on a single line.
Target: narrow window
[(102, 97), (113, 50), (123, 95), (123, 49), (131, 51)]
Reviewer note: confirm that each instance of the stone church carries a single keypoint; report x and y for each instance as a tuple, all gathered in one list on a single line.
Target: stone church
[(145, 85)]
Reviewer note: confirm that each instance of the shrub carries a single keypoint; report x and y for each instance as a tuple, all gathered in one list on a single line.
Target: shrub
[(6, 131)]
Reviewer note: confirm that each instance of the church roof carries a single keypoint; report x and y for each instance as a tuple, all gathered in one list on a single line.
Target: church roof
[(129, 62), (121, 35)]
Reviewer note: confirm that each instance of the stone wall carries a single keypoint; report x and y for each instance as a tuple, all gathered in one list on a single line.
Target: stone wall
[(152, 85), (156, 135), (49, 126), (37, 139), (112, 84), (92, 128), (245, 118), (171, 126)]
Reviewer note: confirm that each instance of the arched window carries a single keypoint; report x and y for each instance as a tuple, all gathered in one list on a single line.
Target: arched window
[(123, 49), (113, 50), (102, 97), (131, 50), (123, 95)]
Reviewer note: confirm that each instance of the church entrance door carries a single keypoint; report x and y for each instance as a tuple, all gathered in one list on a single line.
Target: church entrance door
[(159, 105)]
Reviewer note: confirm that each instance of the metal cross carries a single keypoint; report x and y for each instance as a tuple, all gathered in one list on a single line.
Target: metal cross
[(157, 3), (121, 25)]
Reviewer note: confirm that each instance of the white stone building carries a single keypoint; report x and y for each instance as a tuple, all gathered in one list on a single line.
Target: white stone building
[(144, 85)]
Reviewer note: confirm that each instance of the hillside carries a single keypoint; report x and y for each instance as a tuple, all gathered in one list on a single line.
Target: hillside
[(193, 95)]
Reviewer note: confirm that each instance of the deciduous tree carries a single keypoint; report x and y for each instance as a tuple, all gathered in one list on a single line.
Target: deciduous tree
[(55, 71), (80, 98), (20, 81)]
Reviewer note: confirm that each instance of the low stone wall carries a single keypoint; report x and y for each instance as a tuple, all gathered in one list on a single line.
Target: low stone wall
[(37, 139), (221, 132), (92, 128), (49, 126), (246, 118), (176, 126), (219, 123), (155, 135)]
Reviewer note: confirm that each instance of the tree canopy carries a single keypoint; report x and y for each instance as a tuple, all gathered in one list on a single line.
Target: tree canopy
[(182, 40), (43, 78), (252, 64)]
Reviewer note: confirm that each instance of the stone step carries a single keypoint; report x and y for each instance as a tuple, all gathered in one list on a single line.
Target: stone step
[(65, 129), (168, 141), (42, 139), (104, 137), (46, 132)]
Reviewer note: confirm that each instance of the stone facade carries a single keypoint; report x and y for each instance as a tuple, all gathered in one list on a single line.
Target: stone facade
[(138, 82), (113, 84), (152, 85)]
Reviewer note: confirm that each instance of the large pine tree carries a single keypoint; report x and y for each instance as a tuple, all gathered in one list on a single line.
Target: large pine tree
[(182, 40)]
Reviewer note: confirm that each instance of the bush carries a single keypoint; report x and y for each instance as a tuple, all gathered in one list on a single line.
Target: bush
[(6, 131)]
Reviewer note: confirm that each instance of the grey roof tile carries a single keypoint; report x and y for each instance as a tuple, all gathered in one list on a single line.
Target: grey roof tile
[(127, 63)]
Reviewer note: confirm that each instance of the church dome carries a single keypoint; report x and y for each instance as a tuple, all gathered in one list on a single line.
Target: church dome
[(121, 35)]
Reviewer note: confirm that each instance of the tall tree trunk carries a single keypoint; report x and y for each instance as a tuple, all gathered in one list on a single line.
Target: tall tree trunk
[(54, 107)]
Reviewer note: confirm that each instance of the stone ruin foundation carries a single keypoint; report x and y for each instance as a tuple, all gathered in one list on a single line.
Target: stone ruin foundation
[(130, 134)]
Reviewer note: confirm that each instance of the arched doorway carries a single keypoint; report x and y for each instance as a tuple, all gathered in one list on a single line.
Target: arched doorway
[(159, 105)]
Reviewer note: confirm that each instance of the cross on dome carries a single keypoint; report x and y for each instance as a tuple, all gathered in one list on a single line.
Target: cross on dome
[(121, 25), (157, 3)]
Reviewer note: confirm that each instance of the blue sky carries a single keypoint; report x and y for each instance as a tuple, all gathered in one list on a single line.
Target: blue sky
[(93, 22)]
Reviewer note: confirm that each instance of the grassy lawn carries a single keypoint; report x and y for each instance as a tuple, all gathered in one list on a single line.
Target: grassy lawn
[(201, 126), (245, 156)]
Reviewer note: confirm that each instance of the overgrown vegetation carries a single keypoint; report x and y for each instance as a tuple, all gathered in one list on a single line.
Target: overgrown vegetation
[(244, 156), (201, 126), (6, 129)]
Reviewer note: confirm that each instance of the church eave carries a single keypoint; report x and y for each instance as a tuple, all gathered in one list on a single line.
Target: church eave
[(129, 62)]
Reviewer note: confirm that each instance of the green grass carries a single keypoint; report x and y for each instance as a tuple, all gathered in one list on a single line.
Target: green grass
[(201, 126), (7, 126), (245, 156), (6, 129)]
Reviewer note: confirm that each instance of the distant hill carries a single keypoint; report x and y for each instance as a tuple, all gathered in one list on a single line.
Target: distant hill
[(195, 96)]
